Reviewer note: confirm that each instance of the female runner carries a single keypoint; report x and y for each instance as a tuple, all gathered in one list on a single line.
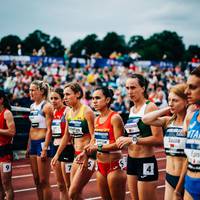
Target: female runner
[(39, 147), (174, 137), (7, 131), (79, 126), (111, 177), (62, 168), (191, 170), (142, 167)]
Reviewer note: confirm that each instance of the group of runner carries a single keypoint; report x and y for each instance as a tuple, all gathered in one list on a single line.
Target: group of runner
[(68, 136)]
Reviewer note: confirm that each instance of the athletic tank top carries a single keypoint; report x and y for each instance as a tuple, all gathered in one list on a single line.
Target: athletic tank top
[(3, 138), (104, 133), (58, 123), (192, 148), (37, 116), (174, 140), (134, 126), (77, 126)]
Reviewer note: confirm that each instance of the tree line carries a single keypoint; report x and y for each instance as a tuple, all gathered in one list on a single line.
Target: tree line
[(164, 45)]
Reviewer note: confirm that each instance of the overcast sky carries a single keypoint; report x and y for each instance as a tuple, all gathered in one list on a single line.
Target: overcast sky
[(74, 19)]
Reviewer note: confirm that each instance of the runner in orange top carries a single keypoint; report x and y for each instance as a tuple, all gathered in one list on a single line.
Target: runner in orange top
[(111, 177)]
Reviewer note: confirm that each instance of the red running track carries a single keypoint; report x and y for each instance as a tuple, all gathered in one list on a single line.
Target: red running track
[(24, 187)]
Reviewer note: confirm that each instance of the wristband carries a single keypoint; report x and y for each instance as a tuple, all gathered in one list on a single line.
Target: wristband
[(99, 147)]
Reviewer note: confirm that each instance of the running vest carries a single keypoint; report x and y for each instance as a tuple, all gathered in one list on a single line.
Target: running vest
[(134, 126), (104, 133), (3, 138), (192, 148), (58, 123), (174, 140), (77, 126), (37, 116)]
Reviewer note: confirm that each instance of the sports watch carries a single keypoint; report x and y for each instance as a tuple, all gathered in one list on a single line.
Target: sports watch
[(134, 140)]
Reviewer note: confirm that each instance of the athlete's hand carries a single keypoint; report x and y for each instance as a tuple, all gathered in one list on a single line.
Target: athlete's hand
[(27, 152), (177, 196), (90, 148), (54, 161), (80, 159), (43, 155), (123, 141)]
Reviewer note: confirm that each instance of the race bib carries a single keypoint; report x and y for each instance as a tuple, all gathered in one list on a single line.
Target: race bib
[(42, 146), (7, 167), (101, 138), (148, 169), (123, 163), (68, 167), (56, 129), (91, 164)]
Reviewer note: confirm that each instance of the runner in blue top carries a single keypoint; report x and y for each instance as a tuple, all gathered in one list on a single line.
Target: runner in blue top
[(191, 170)]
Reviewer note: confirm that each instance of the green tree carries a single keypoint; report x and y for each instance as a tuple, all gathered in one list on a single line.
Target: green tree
[(12, 41), (113, 42), (165, 43), (90, 43), (35, 40), (56, 47), (193, 50)]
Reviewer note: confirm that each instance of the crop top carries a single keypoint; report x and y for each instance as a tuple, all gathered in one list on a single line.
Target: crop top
[(58, 123), (77, 125), (174, 140), (135, 126), (36, 116), (192, 148), (104, 133), (3, 138)]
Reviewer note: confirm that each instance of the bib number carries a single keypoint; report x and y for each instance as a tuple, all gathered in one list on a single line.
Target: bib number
[(148, 169), (42, 146), (6, 167), (68, 167), (123, 163), (91, 164)]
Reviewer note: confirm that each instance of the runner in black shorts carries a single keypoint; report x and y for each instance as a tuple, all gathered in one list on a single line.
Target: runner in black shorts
[(142, 170), (63, 167)]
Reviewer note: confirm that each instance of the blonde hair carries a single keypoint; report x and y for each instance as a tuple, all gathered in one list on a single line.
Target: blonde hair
[(178, 90), (42, 86)]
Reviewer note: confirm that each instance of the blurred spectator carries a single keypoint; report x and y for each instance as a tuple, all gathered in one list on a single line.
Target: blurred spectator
[(42, 51), (19, 49), (34, 52)]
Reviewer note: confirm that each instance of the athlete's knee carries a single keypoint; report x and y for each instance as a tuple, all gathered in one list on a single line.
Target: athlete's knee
[(73, 194), (7, 184), (37, 181), (44, 182), (61, 187)]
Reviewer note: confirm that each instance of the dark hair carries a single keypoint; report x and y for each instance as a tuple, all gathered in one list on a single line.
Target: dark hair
[(42, 86), (59, 91), (107, 93), (76, 88), (6, 102), (142, 82), (196, 71)]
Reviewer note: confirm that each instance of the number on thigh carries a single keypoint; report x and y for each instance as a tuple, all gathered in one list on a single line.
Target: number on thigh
[(148, 169)]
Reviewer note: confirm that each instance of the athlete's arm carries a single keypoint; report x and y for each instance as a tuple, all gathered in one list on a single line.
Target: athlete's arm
[(155, 117), (89, 116), (157, 132), (10, 131), (48, 111)]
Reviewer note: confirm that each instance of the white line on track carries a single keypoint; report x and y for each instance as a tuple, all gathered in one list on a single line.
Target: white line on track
[(53, 186), (30, 175)]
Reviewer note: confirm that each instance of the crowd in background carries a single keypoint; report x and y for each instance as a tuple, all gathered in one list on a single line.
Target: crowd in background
[(16, 78)]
